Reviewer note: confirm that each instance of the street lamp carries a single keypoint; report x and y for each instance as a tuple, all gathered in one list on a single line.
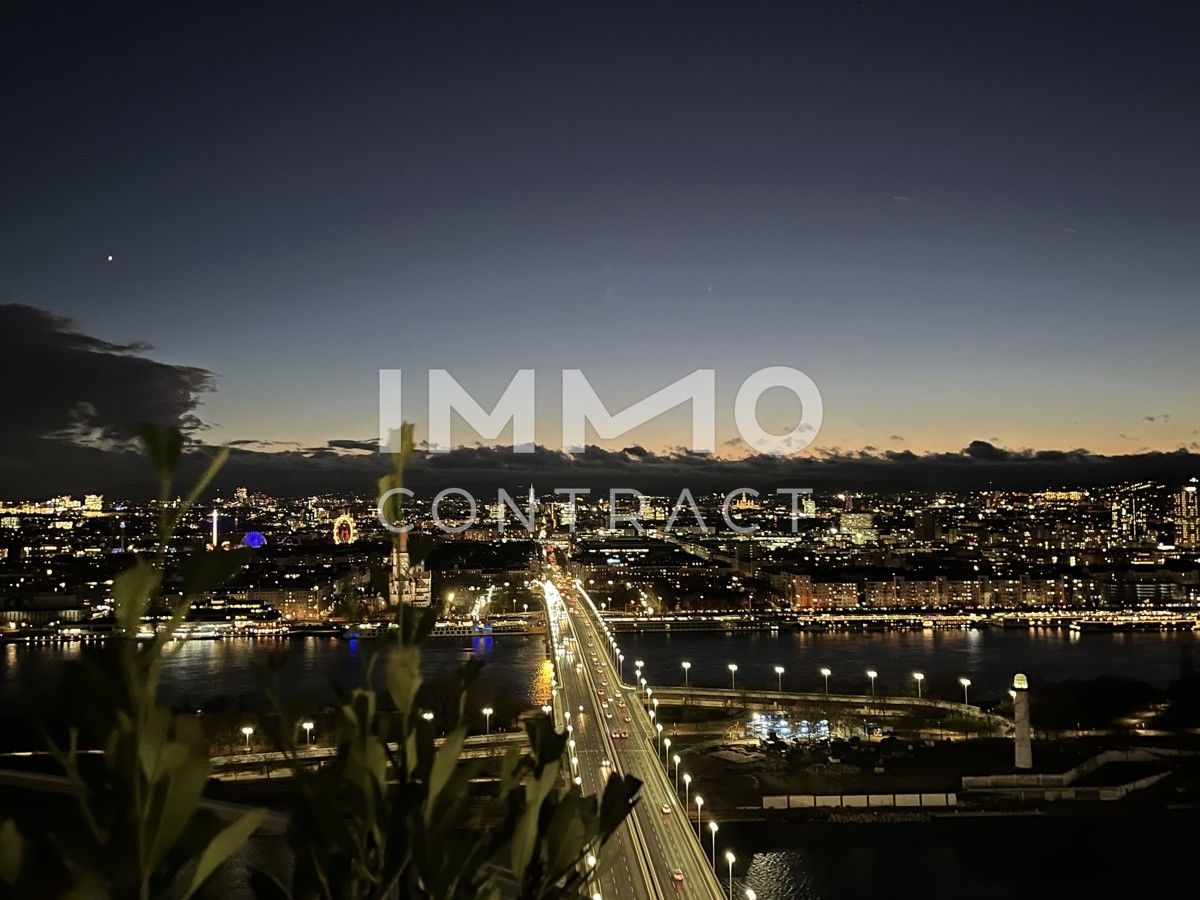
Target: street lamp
[(658, 727), (825, 673), (733, 675), (247, 731), (686, 666), (966, 684), (729, 858), (427, 716), (487, 719), (308, 727), (918, 677), (779, 677), (675, 759), (687, 784), (699, 806), (666, 749), (712, 826), (750, 895), (872, 674), (621, 663)]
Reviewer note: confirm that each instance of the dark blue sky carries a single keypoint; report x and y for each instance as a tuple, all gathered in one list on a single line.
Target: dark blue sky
[(963, 221)]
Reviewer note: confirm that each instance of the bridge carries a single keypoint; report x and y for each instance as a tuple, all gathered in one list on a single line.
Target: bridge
[(657, 853)]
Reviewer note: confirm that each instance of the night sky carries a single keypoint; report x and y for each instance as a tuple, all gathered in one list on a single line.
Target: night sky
[(966, 222)]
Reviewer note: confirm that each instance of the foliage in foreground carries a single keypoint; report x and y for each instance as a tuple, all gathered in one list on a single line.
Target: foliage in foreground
[(140, 831)]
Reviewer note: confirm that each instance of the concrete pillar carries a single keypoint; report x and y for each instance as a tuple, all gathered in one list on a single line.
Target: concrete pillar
[(1024, 747)]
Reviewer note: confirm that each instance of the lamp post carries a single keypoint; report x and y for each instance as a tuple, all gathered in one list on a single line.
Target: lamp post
[(872, 674), (666, 750), (730, 858), (308, 727), (686, 667), (918, 677), (621, 663), (487, 719), (675, 759), (779, 678), (712, 826), (687, 784), (733, 676), (658, 727), (750, 895), (247, 731), (825, 673), (427, 716), (966, 685), (699, 806)]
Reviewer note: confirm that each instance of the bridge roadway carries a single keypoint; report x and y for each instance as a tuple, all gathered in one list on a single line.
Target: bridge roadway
[(653, 844)]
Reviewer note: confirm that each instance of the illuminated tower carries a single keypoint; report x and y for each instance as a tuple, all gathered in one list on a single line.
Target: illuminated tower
[(407, 583), (1021, 736)]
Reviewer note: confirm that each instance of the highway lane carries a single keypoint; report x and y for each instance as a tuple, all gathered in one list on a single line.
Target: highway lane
[(665, 841), (621, 872)]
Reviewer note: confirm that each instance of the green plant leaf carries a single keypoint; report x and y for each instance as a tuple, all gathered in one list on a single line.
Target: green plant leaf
[(206, 570), (12, 852), (164, 447), (132, 592), (445, 762), (222, 845)]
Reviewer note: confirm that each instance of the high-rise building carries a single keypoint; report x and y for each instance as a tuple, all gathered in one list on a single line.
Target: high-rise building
[(1132, 510), (1187, 516), (860, 526)]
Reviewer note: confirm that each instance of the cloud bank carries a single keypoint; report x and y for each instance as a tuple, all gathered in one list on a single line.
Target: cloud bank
[(72, 402)]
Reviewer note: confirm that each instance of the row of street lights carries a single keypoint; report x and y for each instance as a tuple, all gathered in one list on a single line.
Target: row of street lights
[(248, 732), (825, 672)]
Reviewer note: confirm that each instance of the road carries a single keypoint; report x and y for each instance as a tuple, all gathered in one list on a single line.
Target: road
[(654, 843)]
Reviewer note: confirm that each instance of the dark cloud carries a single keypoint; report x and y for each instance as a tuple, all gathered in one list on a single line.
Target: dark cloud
[(68, 384), (371, 445)]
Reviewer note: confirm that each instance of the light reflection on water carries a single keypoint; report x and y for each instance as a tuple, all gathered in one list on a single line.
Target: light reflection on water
[(515, 676), (990, 657)]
